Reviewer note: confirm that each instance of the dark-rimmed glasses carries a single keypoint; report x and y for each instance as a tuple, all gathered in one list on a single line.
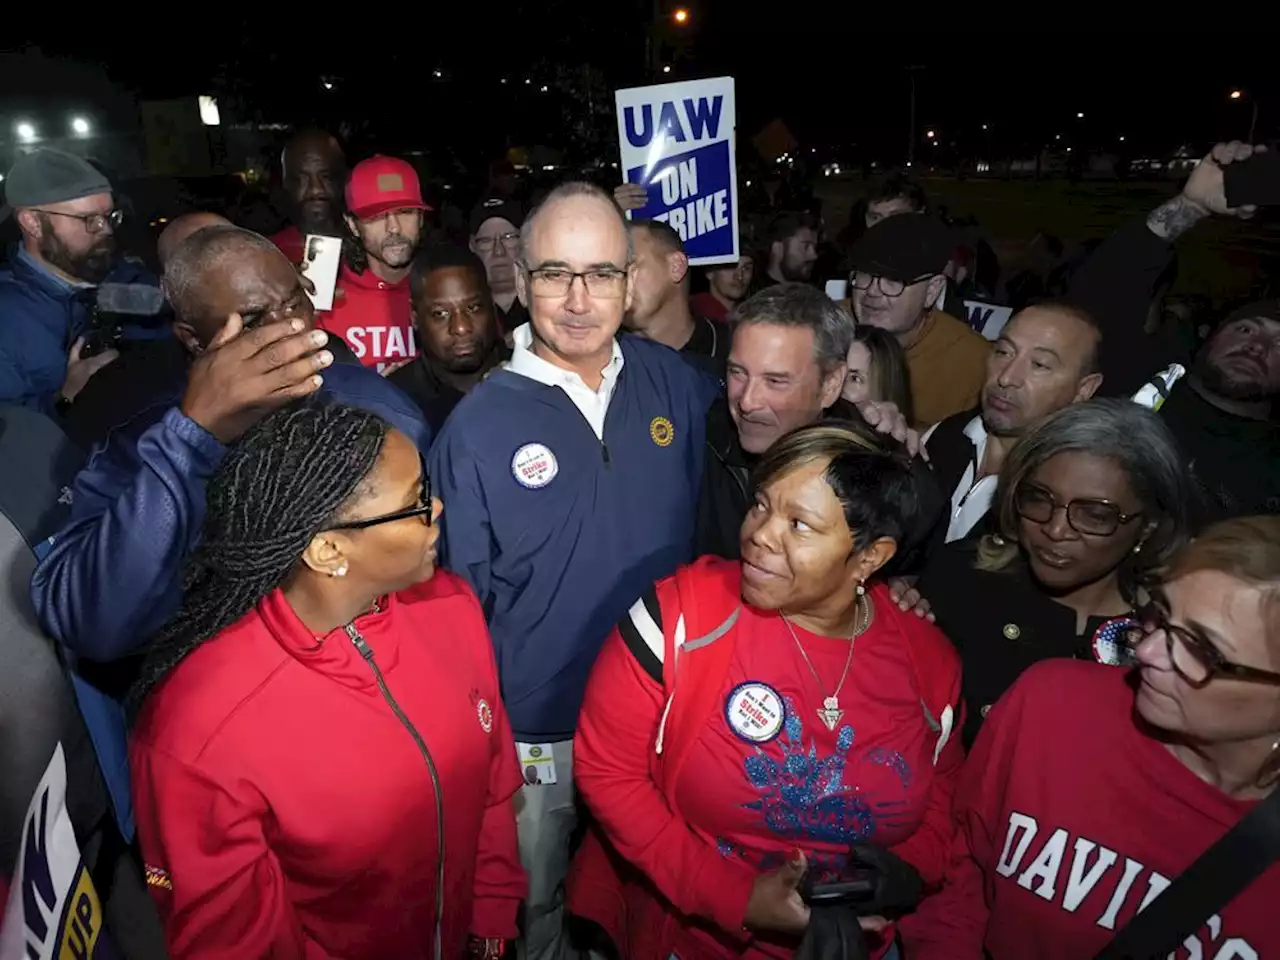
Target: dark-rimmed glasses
[(93, 222), (423, 509), (1194, 658), (892, 289), (606, 283), (1093, 518)]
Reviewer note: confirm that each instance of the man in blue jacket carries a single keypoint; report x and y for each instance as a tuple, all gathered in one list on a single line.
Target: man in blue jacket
[(113, 574), (67, 217), (570, 480)]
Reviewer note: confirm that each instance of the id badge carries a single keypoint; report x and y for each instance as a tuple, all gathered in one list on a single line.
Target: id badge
[(537, 763)]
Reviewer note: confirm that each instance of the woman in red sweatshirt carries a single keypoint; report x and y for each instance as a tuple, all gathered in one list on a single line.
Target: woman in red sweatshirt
[(321, 763), (748, 721), (1090, 789)]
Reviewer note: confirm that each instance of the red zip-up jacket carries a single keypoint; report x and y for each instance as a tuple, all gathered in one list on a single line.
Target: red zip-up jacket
[(285, 811), (374, 318), (634, 734)]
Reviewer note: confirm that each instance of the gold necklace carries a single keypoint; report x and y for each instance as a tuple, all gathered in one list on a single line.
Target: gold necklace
[(830, 713)]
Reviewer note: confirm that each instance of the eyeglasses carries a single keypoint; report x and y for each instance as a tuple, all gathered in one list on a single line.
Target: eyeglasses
[(93, 222), (1196, 660), (487, 244), (1093, 518), (604, 283), (888, 288), (423, 509)]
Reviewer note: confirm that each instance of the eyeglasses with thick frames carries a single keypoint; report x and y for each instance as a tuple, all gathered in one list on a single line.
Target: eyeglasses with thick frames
[(423, 509), (1194, 658), (93, 222), (888, 288), (1093, 518), (604, 283)]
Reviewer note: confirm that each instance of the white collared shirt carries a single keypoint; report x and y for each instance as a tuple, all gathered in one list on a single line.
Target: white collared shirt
[(592, 404), (970, 501)]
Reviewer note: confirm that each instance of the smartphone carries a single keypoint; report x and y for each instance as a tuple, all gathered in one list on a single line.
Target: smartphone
[(1253, 182), (321, 258)]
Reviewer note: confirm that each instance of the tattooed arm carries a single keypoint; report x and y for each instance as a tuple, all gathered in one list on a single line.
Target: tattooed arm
[(1175, 217)]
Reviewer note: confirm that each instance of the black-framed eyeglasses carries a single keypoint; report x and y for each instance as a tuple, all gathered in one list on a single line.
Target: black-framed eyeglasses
[(508, 239), (93, 222), (1196, 660), (606, 283), (1093, 518), (860, 280), (423, 509)]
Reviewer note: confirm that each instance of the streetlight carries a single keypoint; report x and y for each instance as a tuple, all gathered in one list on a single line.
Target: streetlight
[(1253, 120), (80, 126), (1079, 116), (681, 16), (929, 134), (666, 68), (26, 132)]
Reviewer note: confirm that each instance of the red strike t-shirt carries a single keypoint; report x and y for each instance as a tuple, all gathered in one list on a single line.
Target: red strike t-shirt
[(808, 787), (373, 317)]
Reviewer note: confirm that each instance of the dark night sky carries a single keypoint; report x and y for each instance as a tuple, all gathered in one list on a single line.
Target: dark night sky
[(836, 77)]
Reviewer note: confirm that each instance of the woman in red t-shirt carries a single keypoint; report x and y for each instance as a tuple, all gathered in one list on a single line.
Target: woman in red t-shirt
[(748, 721), (1090, 789)]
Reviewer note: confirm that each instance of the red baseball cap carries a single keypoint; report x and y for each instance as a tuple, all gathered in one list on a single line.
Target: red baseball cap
[(380, 184)]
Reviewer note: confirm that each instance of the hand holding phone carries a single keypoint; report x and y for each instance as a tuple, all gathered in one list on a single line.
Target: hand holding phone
[(321, 259)]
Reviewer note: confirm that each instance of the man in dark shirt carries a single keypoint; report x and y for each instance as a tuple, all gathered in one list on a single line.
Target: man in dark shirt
[(494, 229), (660, 309), (458, 337)]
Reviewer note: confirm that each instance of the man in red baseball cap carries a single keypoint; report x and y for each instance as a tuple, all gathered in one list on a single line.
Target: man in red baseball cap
[(371, 308)]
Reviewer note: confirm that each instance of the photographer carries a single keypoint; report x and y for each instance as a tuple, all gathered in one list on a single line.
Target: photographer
[(66, 213)]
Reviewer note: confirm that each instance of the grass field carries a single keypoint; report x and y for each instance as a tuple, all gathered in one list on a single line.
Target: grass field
[(1220, 258)]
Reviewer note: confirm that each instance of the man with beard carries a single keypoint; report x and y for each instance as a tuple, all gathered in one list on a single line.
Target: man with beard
[(65, 212), (371, 303), (313, 169), (453, 315), (791, 244)]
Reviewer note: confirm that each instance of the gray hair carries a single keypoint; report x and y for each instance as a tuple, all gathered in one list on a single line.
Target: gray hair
[(574, 188), (198, 253), (1133, 438), (800, 305)]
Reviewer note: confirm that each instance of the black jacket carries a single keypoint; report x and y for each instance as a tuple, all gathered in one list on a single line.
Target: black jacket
[(726, 490), (435, 396)]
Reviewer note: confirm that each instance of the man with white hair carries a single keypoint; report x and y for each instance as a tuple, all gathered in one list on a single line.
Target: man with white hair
[(571, 478)]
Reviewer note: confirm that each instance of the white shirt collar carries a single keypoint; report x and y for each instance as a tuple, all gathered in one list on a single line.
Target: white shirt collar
[(528, 364)]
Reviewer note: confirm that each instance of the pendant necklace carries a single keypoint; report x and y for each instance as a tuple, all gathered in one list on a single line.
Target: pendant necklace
[(830, 713)]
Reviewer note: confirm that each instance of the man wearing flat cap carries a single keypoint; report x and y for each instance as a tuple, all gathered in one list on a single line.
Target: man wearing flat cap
[(66, 214), (896, 282)]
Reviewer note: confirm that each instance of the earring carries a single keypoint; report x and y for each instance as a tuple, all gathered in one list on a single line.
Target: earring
[(340, 572), (861, 590)]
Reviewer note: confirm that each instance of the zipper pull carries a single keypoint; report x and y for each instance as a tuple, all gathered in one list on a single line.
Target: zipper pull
[(604, 451), (359, 643)]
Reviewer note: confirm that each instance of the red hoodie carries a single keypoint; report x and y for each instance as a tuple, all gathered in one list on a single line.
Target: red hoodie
[(1070, 821), (285, 811), (290, 242), (701, 810), (373, 316)]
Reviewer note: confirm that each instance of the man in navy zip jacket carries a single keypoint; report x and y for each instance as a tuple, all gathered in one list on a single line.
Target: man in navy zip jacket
[(570, 480), (113, 574)]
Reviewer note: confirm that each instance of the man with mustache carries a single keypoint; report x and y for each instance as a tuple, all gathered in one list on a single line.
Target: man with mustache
[(371, 308), (313, 169), (67, 217)]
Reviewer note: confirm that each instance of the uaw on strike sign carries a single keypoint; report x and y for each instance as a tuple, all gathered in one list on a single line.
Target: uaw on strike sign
[(677, 140), (53, 911)]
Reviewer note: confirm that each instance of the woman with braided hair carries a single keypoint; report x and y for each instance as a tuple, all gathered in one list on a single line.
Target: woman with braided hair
[(321, 763)]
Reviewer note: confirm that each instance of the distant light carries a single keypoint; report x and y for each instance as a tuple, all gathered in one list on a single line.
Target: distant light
[(1068, 149), (935, 143), (80, 126), (209, 114), (548, 167), (1237, 94), (1122, 139), (527, 81), (26, 132), (1057, 136), (503, 80), (984, 126), (929, 134), (681, 16), (666, 68), (748, 183), (1079, 116), (327, 84), (544, 88)]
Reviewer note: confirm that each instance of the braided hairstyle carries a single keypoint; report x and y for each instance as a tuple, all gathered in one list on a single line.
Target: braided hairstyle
[(280, 485)]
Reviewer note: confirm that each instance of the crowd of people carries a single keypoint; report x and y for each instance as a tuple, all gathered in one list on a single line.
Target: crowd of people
[(550, 597)]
